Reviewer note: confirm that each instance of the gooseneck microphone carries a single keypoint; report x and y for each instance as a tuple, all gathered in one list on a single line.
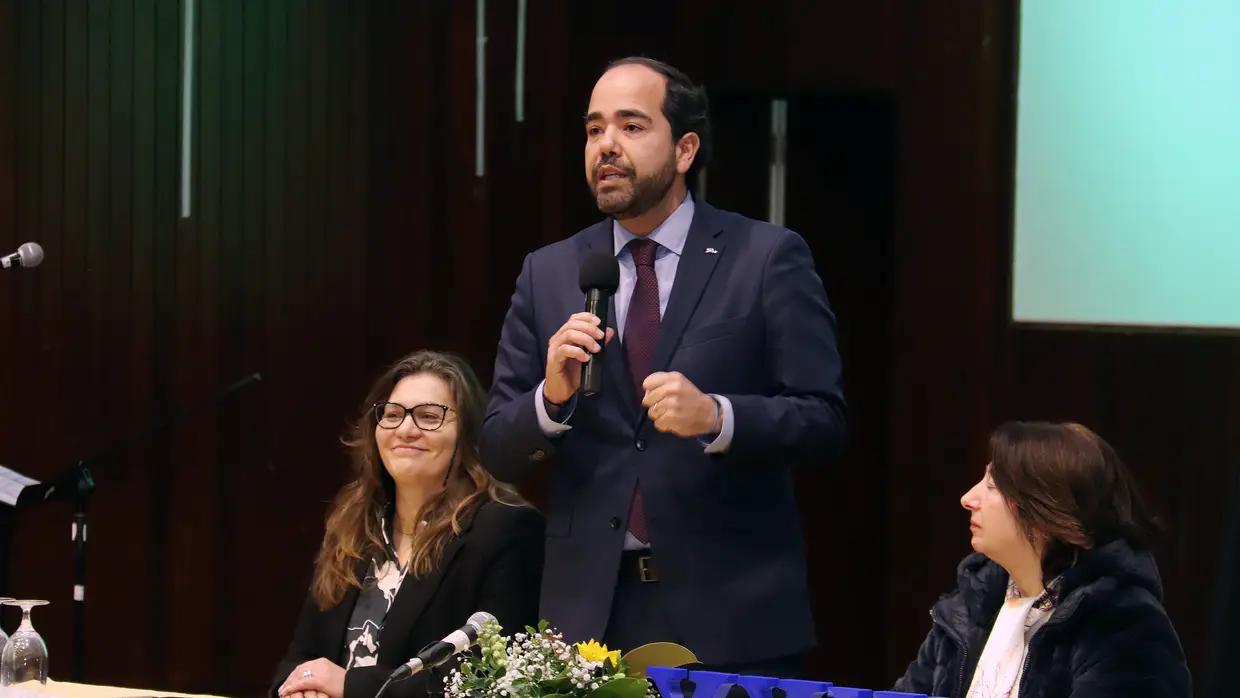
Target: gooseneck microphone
[(28, 255), (599, 278), (437, 653)]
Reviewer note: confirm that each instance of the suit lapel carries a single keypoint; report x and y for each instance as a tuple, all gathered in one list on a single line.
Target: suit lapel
[(410, 602), (616, 363), (703, 248)]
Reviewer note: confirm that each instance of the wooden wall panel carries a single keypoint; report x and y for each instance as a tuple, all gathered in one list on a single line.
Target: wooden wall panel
[(469, 235), (947, 351), (139, 315), (338, 223), (947, 297), (8, 230), (1167, 402)]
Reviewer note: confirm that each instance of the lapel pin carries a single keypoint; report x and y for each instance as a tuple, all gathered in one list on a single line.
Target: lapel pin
[(711, 250)]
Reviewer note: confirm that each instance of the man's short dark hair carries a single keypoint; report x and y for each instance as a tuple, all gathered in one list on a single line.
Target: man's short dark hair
[(684, 106)]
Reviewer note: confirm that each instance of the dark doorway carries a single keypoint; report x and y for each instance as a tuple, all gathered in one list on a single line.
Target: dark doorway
[(839, 194)]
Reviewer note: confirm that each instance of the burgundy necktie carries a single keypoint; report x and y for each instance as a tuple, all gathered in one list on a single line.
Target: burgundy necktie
[(641, 334)]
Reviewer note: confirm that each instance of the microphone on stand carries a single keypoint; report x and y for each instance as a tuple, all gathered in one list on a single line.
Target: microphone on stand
[(437, 653), (28, 255), (599, 277)]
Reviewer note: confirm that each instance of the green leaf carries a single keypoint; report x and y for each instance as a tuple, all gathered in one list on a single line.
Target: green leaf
[(621, 688), (555, 686), (543, 625)]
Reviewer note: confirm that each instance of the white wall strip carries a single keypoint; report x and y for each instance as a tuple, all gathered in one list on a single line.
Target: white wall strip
[(187, 107), (519, 83), (779, 161), (480, 117)]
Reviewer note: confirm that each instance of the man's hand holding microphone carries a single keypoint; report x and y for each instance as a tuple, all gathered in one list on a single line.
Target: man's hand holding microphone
[(673, 403)]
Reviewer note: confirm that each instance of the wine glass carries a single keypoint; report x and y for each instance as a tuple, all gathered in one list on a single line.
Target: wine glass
[(24, 657), (4, 638)]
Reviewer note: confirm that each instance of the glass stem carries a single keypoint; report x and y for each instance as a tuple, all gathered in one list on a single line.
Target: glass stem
[(26, 624)]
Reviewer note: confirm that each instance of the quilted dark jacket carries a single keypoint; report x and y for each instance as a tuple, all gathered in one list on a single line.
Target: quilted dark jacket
[(1108, 636)]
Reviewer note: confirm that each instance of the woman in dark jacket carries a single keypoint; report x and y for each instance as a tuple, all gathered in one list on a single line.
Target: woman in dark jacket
[(421, 539), (1062, 598)]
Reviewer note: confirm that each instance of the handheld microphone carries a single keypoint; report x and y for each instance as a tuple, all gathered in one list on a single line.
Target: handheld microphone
[(599, 278), (28, 255), (437, 653)]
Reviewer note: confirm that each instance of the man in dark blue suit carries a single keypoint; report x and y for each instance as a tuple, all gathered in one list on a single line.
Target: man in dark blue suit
[(672, 514)]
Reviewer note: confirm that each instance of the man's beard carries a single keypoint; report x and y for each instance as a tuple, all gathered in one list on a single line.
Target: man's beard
[(642, 194)]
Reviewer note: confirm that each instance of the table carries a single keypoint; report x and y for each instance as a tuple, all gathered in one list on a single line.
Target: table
[(64, 689)]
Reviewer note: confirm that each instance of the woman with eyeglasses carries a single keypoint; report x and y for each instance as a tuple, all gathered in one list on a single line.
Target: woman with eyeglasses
[(1062, 598), (422, 538)]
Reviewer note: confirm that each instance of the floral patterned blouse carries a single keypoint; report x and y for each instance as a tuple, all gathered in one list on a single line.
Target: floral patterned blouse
[(373, 603)]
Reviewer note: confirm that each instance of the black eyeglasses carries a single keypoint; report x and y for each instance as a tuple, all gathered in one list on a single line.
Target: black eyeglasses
[(429, 416)]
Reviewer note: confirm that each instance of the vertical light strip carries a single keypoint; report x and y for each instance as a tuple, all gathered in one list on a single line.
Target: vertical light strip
[(187, 107), (480, 117), (520, 78), (779, 158)]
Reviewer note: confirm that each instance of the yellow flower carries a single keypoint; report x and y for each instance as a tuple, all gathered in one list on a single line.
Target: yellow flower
[(592, 651)]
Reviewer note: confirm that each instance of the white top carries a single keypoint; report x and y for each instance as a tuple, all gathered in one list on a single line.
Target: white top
[(1003, 659)]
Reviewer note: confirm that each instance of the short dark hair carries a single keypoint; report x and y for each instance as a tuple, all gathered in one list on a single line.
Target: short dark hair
[(684, 106), (1067, 486)]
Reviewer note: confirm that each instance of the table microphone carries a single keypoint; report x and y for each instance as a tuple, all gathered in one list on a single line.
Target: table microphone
[(437, 653), (599, 277), (28, 255)]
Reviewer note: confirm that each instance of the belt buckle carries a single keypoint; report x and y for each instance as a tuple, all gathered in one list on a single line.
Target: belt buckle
[(643, 570)]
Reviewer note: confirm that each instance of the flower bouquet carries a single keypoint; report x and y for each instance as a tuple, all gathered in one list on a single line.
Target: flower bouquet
[(539, 664)]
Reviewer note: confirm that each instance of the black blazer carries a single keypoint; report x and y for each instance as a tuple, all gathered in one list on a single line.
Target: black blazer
[(748, 318), (495, 565)]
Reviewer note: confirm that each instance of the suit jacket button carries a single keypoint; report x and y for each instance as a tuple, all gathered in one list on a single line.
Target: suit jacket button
[(641, 444), (538, 454), (615, 524)]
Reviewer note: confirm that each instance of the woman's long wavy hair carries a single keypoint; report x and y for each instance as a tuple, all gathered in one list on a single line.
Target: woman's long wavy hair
[(353, 526)]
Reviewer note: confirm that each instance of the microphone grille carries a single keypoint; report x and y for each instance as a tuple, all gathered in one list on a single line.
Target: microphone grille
[(31, 254), (599, 269), (479, 618), (473, 626)]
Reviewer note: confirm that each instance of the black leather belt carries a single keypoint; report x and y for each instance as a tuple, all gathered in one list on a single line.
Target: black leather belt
[(640, 564)]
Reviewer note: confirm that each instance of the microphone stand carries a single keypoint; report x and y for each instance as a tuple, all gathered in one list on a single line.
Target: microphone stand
[(80, 482)]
